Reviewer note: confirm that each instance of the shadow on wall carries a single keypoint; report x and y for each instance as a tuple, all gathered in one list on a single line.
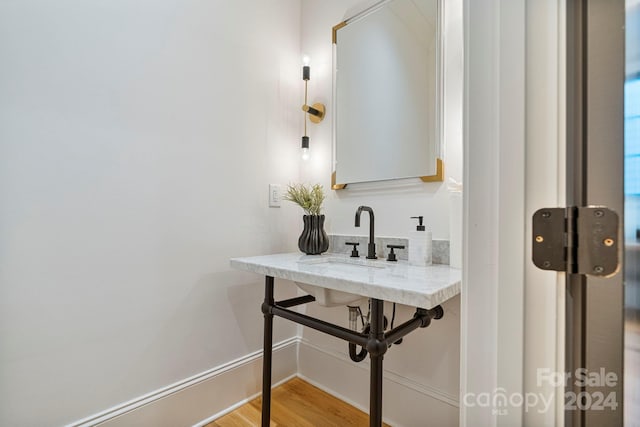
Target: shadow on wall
[(179, 342), (246, 299)]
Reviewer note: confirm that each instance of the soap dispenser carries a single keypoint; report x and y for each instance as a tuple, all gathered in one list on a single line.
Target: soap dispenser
[(420, 244)]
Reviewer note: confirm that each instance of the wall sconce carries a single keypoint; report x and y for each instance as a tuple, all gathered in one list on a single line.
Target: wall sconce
[(315, 111)]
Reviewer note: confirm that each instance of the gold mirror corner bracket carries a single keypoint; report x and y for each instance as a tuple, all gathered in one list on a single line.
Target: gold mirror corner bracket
[(334, 33), (439, 176), (335, 186)]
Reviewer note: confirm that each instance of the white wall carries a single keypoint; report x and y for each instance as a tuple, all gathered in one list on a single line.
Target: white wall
[(137, 139), (427, 363)]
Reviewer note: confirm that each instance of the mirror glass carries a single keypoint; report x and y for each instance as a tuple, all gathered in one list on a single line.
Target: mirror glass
[(386, 93)]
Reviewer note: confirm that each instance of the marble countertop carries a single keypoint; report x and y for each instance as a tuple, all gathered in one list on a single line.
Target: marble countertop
[(424, 287)]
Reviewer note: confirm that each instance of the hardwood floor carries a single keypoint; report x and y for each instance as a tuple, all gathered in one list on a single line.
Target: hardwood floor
[(296, 403)]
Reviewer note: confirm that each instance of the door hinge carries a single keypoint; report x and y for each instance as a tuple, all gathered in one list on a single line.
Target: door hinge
[(577, 240)]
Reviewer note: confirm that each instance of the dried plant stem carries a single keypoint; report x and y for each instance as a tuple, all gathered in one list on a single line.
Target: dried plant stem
[(308, 198)]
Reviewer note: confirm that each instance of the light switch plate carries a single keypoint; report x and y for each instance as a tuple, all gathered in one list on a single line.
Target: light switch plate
[(274, 195)]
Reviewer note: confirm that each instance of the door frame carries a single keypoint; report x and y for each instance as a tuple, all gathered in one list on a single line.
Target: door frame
[(595, 161), (515, 162), (492, 292), (514, 149)]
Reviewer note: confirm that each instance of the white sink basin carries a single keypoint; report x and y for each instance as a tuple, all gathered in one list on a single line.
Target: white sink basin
[(332, 297), (341, 261), (329, 297)]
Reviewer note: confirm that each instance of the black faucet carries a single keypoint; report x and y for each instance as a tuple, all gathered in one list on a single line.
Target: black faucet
[(371, 249)]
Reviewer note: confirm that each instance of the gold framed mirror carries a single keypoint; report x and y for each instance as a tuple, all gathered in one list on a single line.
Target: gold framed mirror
[(388, 94)]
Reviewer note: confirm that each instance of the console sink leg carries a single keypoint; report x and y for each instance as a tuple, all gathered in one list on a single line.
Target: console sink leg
[(267, 351), (376, 347)]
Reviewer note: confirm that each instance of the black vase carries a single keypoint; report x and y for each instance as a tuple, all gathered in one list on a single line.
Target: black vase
[(313, 240)]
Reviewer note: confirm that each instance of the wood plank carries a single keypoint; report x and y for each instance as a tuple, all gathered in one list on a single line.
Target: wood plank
[(297, 403)]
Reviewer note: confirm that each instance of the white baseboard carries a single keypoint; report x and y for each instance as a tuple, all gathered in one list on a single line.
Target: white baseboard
[(220, 390), (193, 400), (405, 402)]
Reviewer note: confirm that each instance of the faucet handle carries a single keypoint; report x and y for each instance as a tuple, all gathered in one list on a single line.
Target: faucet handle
[(354, 252), (392, 256)]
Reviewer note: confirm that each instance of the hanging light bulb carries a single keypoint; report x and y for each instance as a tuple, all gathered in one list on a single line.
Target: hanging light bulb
[(305, 148), (315, 111)]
